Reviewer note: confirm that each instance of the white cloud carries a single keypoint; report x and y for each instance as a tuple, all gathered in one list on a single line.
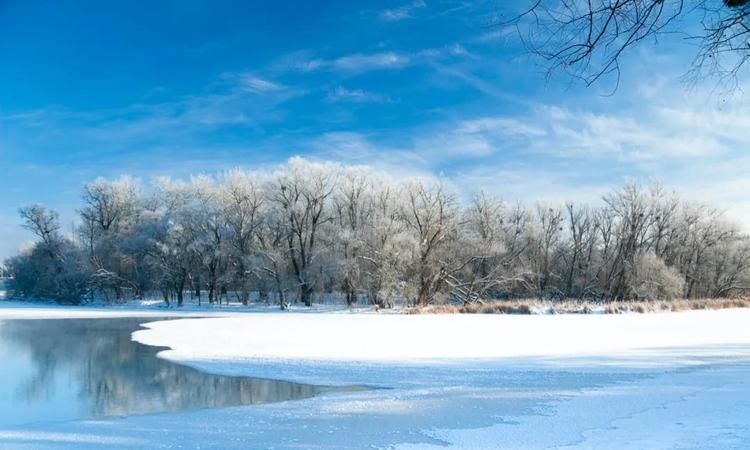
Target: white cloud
[(559, 153), (396, 163), (14, 239), (356, 63), (342, 94), (485, 87), (362, 62), (310, 65), (402, 12), (457, 50), (454, 144), (508, 125), (497, 32), (357, 148), (528, 184), (652, 133), (721, 182), (236, 99), (259, 85)]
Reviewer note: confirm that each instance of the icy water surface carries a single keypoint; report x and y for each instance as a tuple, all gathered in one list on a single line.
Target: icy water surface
[(58, 370)]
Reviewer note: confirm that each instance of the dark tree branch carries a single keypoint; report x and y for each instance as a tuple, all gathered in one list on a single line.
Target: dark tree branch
[(587, 39)]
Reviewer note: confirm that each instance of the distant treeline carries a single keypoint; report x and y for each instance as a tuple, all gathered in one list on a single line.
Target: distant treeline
[(309, 228)]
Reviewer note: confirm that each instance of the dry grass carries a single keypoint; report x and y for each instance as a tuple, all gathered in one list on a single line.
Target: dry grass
[(678, 305), (580, 307), (515, 307)]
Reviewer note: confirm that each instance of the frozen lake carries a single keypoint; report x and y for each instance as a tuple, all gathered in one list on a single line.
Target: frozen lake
[(59, 370), (84, 384)]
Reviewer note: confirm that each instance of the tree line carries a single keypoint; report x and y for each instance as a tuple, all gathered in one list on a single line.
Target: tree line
[(309, 229)]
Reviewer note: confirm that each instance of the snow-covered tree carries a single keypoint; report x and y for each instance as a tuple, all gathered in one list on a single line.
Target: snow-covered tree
[(312, 228), (303, 191)]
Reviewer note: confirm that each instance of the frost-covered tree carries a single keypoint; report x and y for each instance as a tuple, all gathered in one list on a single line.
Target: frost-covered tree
[(312, 229), (303, 191), (578, 255), (481, 267), (108, 215), (353, 210), (653, 279), (242, 201), (383, 260), (212, 231), (270, 261), (52, 268), (430, 218)]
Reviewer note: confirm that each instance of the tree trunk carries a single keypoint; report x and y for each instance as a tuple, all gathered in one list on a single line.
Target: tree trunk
[(279, 289), (179, 296), (306, 292), (351, 296)]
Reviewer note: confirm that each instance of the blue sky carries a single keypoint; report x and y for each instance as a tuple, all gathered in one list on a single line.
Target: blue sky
[(426, 88)]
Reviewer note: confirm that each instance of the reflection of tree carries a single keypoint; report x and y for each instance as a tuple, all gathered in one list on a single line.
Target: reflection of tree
[(38, 386), (117, 376)]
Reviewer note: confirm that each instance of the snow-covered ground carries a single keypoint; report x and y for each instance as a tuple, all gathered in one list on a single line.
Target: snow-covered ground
[(441, 337), (657, 381), (11, 309)]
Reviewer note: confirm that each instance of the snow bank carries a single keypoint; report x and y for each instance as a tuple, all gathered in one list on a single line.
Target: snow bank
[(10, 309), (22, 310), (413, 338)]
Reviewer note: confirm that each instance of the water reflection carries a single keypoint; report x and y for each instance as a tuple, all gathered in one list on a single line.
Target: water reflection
[(86, 368)]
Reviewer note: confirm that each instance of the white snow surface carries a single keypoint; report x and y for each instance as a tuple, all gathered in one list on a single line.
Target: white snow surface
[(441, 338), (677, 381), (11, 309)]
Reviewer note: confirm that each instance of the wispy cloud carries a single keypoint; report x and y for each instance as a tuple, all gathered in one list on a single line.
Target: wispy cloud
[(237, 99), (357, 63), (513, 182), (400, 163), (576, 152), (342, 94), (252, 83), (475, 82), (305, 62), (432, 156), (402, 12), (665, 132), (362, 62), (14, 236)]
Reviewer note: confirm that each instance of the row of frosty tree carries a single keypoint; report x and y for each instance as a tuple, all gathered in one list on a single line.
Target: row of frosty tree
[(306, 229)]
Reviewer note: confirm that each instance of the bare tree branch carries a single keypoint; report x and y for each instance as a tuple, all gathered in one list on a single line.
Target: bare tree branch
[(587, 39)]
